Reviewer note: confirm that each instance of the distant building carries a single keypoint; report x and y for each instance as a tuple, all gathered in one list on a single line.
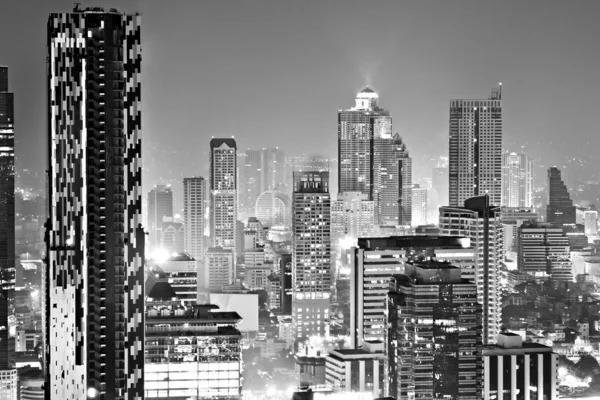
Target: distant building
[(256, 276), (270, 209), (218, 268), (310, 369), (180, 270), (560, 209), (356, 370), (517, 180), (419, 205), (544, 252), (194, 207), (261, 170), (160, 205), (475, 162), (513, 369), (172, 234), (590, 221), (511, 219), (426, 354), (273, 289)]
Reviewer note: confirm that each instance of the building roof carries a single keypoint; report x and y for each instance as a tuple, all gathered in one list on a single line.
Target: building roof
[(367, 90), (160, 290), (215, 143)]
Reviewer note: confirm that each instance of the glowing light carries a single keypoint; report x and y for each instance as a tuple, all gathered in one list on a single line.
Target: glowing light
[(160, 255), (347, 242), (35, 293), (70, 242), (92, 393)]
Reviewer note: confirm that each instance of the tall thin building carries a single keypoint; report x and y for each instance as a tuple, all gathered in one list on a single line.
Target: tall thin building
[(419, 205), (517, 180), (475, 157), (560, 210), (311, 252), (8, 375), (194, 205), (432, 345), (160, 205), (223, 194), (480, 222), (94, 238)]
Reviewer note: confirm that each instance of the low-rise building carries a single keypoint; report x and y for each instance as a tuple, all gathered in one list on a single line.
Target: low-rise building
[(356, 370)]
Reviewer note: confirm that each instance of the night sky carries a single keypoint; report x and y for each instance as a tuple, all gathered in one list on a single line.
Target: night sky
[(274, 73)]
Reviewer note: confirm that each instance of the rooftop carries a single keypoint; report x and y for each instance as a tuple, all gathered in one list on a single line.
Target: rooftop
[(407, 242)]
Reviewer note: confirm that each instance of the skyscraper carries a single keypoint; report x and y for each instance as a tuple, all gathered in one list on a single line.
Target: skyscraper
[(194, 206), (543, 251), (433, 335), (311, 252), (160, 205), (8, 375), (419, 205), (95, 242), (260, 170), (480, 222), (517, 180), (223, 194), (475, 158), (560, 210)]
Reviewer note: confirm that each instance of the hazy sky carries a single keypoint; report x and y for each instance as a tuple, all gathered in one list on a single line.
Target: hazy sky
[(274, 73)]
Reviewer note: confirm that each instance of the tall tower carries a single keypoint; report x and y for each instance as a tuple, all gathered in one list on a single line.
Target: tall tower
[(160, 205), (517, 180), (223, 193), (194, 205), (95, 242), (560, 210), (419, 205), (475, 157), (311, 268), (8, 375)]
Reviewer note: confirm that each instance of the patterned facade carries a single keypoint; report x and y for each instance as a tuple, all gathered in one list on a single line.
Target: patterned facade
[(475, 158), (194, 206), (517, 180), (543, 251), (95, 242)]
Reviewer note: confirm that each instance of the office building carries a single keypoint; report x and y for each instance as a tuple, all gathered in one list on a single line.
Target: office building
[(419, 205), (480, 222), (356, 370), (180, 270), (375, 260), (271, 210), (439, 183), (311, 272), (95, 240), (194, 208), (475, 157), (283, 259), (218, 270), (512, 218), (160, 205), (273, 289), (516, 370), (172, 236), (8, 375), (223, 194), (431, 303), (590, 222), (544, 252), (191, 351), (560, 209), (517, 180)]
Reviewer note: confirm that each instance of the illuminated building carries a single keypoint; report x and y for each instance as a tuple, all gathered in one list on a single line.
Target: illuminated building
[(480, 222), (8, 376), (475, 157), (160, 205), (419, 205), (218, 269), (433, 335), (517, 180), (544, 252), (180, 270), (375, 260), (517, 370), (270, 209), (223, 194), (194, 206), (273, 288), (191, 351), (95, 240), (260, 171), (590, 222), (284, 260), (311, 272), (31, 384), (560, 209), (512, 218), (171, 238), (373, 161), (356, 370)]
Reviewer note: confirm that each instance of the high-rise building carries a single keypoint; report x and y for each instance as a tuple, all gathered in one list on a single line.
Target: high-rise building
[(95, 241), (419, 205), (375, 260), (311, 253), (218, 269), (432, 343), (543, 251), (560, 210), (194, 207), (270, 209), (171, 237), (223, 194), (516, 370), (260, 171), (480, 222), (475, 158), (8, 375), (517, 180), (373, 161), (160, 205)]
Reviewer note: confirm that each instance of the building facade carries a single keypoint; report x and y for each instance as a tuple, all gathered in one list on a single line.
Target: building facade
[(480, 222), (218, 269), (223, 194), (311, 254), (95, 242), (270, 209), (517, 180), (160, 205), (544, 252), (560, 209), (194, 208), (419, 205), (475, 157), (432, 303)]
